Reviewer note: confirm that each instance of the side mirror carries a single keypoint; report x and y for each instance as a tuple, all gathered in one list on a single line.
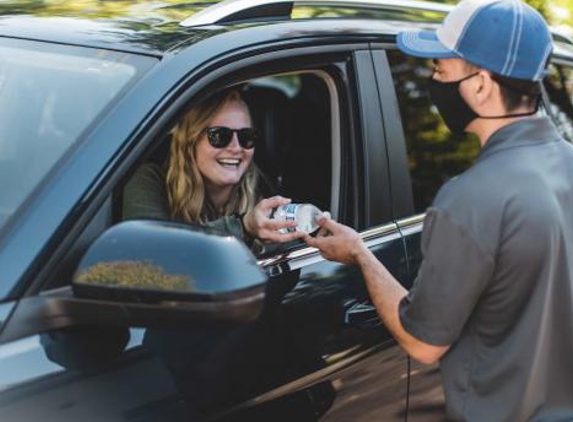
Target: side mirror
[(164, 273)]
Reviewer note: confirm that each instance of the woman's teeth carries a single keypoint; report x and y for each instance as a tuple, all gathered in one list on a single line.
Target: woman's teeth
[(228, 162)]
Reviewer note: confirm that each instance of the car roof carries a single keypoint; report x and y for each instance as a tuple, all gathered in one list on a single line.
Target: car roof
[(155, 27), (151, 27), (128, 25)]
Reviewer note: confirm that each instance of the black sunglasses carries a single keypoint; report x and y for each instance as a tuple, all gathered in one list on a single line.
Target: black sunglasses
[(221, 136)]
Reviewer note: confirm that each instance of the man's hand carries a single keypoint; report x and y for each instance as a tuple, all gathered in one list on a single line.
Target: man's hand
[(340, 243), (337, 242)]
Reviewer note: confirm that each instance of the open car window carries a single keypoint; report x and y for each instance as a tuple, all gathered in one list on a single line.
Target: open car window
[(293, 115)]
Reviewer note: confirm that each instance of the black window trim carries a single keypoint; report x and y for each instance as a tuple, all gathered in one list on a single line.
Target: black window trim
[(222, 72), (402, 198)]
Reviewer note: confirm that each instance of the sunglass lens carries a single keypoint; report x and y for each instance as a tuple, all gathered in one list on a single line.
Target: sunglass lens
[(219, 137), (247, 137)]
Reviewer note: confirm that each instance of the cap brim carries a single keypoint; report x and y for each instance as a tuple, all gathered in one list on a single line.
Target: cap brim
[(424, 44)]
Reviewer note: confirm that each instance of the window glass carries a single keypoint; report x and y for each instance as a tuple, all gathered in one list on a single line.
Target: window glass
[(434, 154), (292, 115), (559, 87), (48, 95)]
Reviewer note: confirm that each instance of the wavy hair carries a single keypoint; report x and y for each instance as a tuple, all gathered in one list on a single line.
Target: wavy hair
[(185, 186)]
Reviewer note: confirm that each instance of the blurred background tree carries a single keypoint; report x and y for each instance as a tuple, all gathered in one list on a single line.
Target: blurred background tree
[(559, 13)]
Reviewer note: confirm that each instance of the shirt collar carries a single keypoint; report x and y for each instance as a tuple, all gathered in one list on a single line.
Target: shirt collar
[(530, 131)]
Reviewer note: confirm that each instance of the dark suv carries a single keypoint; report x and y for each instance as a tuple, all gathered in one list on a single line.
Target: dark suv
[(89, 93)]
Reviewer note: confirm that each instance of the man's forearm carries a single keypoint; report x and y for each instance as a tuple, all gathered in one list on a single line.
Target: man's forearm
[(386, 293)]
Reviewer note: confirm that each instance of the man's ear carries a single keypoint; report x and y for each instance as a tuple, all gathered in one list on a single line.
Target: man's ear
[(481, 89), (486, 86)]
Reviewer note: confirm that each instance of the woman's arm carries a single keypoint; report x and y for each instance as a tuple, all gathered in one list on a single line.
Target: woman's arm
[(145, 195)]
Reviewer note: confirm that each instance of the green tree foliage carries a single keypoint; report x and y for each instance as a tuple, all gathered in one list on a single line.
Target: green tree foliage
[(134, 274), (434, 154), (559, 13), (159, 10)]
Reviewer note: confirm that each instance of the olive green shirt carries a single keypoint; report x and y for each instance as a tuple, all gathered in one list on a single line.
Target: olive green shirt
[(145, 196)]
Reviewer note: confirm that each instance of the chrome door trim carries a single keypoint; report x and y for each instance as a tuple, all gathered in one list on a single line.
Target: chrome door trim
[(308, 256), (411, 225)]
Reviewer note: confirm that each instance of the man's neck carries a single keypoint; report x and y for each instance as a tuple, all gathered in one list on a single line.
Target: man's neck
[(485, 128)]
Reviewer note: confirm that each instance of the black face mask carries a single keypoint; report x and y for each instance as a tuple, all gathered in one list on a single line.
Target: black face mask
[(457, 114)]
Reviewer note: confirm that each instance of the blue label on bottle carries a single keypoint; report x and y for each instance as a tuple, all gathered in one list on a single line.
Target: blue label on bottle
[(290, 215)]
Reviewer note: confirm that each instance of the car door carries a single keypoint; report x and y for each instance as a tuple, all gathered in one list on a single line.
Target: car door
[(323, 351), (57, 94), (319, 349), (423, 155)]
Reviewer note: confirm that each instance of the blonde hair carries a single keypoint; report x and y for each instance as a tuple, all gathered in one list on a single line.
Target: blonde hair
[(185, 186)]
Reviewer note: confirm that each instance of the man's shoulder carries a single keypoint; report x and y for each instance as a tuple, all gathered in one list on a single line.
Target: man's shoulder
[(475, 201), (476, 188)]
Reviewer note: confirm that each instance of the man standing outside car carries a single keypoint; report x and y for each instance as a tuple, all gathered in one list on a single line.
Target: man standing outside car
[(493, 299)]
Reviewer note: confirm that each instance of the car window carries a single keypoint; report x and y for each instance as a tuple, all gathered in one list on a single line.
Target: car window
[(293, 115), (559, 87), (293, 151), (48, 95), (435, 155), (302, 329)]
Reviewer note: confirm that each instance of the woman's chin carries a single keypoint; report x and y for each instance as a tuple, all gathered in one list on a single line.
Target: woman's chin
[(227, 182)]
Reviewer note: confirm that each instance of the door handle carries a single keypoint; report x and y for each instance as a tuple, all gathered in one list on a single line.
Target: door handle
[(361, 315)]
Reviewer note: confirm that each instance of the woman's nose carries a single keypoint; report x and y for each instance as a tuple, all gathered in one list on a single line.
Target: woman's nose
[(234, 144)]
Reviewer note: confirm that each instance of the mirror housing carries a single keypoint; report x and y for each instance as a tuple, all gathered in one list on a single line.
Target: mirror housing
[(163, 272)]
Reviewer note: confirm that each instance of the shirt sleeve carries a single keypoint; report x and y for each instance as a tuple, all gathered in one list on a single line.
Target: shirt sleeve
[(453, 275), (145, 195)]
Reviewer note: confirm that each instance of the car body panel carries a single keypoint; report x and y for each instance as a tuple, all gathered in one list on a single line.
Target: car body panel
[(5, 311), (319, 350), (118, 130)]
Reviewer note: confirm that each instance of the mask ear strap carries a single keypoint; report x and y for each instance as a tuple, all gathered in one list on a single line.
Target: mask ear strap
[(546, 103), (528, 113)]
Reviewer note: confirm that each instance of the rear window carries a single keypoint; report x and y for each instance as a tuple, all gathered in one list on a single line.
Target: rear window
[(559, 87), (49, 95), (435, 154)]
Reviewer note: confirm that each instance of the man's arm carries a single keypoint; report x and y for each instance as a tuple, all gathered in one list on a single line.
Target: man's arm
[(343, 244), (386, 294)]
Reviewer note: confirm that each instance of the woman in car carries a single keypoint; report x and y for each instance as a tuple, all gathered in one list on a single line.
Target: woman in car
[(210, 178)]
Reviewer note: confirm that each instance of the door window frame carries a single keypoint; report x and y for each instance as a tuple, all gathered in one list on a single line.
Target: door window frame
[(298, 59)]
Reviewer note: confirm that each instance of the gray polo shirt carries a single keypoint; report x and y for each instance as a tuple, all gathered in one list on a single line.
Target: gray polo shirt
[(496, 281)]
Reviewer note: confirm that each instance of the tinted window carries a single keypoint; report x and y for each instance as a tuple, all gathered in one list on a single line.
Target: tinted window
[(48, 95), (559, 87), (434, 154), (293, 116)]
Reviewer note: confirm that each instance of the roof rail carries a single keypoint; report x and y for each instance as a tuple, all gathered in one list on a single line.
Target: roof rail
[(244, 10), (562, 38)]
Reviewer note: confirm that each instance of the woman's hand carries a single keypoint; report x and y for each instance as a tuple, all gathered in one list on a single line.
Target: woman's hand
[(258, 224)]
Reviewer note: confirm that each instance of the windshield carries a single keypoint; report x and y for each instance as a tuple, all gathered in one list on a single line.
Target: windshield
[(49, 94)]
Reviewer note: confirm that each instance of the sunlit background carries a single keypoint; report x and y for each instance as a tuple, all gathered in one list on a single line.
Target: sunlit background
[(559, 13)]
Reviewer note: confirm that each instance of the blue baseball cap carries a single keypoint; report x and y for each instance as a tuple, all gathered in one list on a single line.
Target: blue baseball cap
[(507, 37)]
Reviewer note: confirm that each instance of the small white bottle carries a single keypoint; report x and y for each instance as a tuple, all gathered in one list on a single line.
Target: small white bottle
[(304, 215)]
